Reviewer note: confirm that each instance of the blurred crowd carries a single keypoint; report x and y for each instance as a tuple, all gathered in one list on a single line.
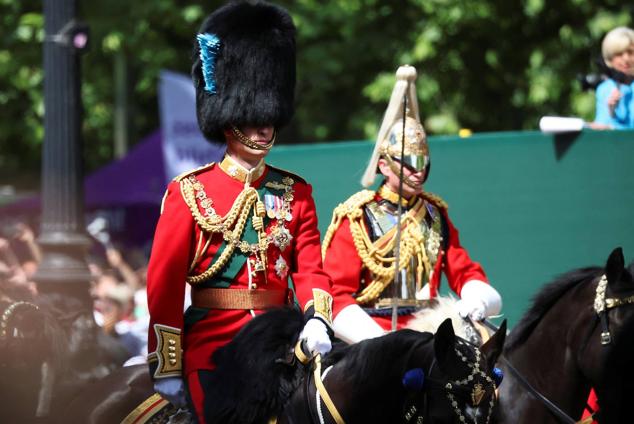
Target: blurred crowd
[(117, 286)]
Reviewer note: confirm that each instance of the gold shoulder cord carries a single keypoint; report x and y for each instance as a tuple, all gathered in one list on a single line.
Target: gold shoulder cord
[(351, 209), (377, 256), (232, 225), (238, 215)]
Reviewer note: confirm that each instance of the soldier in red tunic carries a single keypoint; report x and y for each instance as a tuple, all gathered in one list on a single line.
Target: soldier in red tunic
[(359, 246), (237, 230)]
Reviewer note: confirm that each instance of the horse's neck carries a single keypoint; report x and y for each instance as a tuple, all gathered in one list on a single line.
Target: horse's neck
[(548, 359), (375, 398)]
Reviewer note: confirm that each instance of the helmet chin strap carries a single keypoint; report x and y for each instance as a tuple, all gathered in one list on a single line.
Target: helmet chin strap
[(242, 138), (395, 168)]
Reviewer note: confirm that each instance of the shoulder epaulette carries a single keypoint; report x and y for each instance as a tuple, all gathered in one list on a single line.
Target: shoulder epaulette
[(193, 171), (436, 200), (352, 209), (288, 173), (355, 202)]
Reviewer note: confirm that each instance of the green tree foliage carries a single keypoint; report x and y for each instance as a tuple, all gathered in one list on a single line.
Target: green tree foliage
[(487, 65)]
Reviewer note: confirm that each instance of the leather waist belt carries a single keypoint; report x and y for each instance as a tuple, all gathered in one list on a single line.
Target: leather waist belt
[(238, 298)]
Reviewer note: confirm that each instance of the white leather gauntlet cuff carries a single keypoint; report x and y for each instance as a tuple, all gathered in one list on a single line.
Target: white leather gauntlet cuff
[(475, 290), (352, 324)]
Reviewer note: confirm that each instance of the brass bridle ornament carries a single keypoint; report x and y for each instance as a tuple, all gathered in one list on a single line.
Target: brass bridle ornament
[(602, 305)]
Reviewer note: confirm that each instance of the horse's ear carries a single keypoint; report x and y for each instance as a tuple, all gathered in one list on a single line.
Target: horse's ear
[(444, 343), (615, 265), (493, 347)]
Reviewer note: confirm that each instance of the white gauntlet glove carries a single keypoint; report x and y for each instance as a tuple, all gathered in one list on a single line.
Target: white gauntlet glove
[(473, 309), (172, 389), (478, 300), (315, 333), (352, 324)]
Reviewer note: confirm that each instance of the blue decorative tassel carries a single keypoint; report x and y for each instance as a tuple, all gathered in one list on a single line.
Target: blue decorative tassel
[(414, 379), (498, 376), (209, 47)]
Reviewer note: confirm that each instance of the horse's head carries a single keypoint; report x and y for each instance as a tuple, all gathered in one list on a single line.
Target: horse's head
[(21, 326), (608, 352), (24, 348), (459, 386)]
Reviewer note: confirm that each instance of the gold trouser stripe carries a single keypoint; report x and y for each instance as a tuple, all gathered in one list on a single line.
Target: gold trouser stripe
[(324, 394), (145, 410), (212, 298)]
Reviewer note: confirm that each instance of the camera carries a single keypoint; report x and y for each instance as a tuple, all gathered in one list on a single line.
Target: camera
[(590, 81)]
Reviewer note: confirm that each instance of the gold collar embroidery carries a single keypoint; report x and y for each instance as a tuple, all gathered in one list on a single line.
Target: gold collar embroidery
[(240, 173), (386, 193)]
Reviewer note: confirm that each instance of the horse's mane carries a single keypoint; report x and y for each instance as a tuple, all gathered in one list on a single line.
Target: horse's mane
[(253, 380), (367, 359), (544, 300)]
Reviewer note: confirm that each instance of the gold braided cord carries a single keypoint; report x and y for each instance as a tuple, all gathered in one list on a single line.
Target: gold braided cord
[(198, 252), (350, 208), (240, 211), (232, 225), (215, 223), (375, 261), (379, 260)]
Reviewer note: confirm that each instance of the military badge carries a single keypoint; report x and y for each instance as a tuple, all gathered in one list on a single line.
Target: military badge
[(476, 394), (281, 267), (281, 237), (275, 208), (272, 204)]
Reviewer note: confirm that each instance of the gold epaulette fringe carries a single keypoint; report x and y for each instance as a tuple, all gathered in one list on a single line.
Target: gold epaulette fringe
[(193, 171), (351, 208)]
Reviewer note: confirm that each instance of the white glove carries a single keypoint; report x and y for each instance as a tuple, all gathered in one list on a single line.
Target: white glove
[(471, 308), (172, 389), (352, 324), (315, 333), (478, 300)]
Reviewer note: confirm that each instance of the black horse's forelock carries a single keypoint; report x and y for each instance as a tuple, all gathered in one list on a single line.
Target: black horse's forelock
[(251, 381), (544, 300)]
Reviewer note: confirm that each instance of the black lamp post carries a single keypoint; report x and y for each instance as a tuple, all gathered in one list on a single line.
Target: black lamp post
[(63, 238), (63, 277)]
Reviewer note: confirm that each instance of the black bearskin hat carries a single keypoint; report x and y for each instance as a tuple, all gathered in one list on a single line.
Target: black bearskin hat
[(248, 77)]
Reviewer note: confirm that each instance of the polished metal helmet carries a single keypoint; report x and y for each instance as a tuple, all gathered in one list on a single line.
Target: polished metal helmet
[(390, 137), (415, 149)]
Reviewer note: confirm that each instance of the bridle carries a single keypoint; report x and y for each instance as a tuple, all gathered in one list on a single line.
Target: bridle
[(47, 375), (602, 305), (452, 388), (8, 314)]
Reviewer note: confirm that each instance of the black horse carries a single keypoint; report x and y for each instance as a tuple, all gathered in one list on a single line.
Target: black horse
[(578, 334), (406, 376), (44, 361), (30, 358)]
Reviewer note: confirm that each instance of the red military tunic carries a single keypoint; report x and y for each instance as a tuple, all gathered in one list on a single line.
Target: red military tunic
[(179, 237), (350, 276)]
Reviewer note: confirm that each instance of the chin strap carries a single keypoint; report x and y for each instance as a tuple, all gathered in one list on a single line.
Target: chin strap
[(242, 138)]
